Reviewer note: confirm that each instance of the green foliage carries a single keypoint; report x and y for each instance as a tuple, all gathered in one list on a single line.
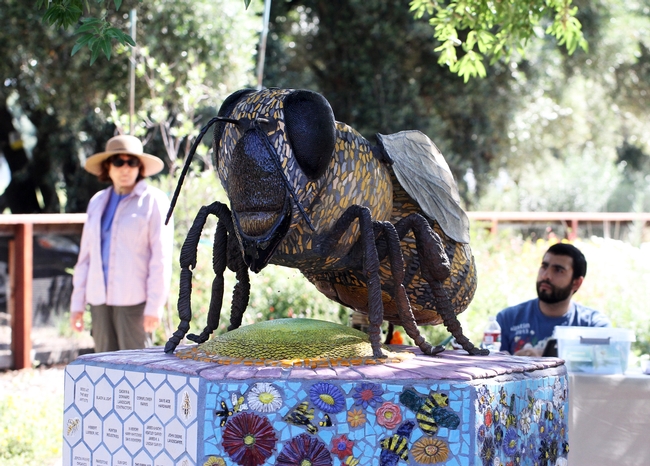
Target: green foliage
[(30, 432), (616, 282), (95, 33), (494, 30), (507, 266)]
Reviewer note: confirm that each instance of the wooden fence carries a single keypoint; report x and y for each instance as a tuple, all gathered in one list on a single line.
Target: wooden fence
[(22, 228), (571, 220)]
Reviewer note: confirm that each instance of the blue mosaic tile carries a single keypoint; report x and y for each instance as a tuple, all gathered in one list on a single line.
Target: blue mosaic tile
[(131, 413)]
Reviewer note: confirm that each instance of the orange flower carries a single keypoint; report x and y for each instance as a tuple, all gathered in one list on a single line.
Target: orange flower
[(356, 418), (429, 451)]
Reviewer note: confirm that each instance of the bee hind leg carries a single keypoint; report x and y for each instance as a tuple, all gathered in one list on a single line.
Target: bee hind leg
[(396, 261), (435, 268)]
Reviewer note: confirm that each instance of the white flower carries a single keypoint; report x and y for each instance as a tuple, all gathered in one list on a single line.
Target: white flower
[(559, 392), (524, 421), (537, 409), (264, 397), (561, 462)]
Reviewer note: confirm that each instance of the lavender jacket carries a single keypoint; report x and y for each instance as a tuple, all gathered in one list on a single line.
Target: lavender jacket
[(140, 263)]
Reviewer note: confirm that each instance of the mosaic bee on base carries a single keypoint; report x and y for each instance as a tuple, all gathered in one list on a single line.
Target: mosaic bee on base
[(378, 228)]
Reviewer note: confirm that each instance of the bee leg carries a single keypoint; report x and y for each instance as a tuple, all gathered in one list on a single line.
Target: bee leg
[(435, 268), (370, 267), (222, 256), (241, 293), (187, 261), (396, 261)]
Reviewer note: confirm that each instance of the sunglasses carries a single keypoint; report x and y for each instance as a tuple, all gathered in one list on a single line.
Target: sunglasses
[(131, 162)]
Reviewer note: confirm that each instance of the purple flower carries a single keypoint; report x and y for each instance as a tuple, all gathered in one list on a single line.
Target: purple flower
[(249, 439), (327, 397), (510, 441), (304, 449), (368, 394), (488, 451)]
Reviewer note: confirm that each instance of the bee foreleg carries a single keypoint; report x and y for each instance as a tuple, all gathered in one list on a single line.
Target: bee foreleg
[(187, 261), (241, 293), (370, 267)]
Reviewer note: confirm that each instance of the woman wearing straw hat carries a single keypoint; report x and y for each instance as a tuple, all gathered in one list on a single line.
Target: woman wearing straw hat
[(124, 265)]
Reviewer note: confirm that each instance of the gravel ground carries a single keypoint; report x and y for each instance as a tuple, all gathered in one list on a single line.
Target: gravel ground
[(37, 382)]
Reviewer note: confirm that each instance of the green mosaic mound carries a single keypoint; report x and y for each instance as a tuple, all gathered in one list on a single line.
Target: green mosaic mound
[(290, 339)]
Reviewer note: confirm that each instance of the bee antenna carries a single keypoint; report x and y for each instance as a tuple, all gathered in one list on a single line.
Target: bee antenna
[(188, 160)]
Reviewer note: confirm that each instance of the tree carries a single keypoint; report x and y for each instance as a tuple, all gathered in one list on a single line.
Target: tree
[(76, 107), (487, 31)]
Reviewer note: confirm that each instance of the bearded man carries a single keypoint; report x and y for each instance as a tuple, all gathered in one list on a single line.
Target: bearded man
[(527, 327)]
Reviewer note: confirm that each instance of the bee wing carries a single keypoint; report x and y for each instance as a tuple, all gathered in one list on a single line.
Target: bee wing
[(423, 172)]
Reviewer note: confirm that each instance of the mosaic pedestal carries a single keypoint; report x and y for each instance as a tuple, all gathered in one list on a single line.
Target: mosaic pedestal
[(146, 408)]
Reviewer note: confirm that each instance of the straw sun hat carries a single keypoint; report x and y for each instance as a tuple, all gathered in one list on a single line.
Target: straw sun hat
[(124, 144)]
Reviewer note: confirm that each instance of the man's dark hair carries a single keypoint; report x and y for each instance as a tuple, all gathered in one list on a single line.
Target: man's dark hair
[(579, 261)]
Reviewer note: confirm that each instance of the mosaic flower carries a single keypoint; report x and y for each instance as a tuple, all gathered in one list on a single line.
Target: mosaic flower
[(559, 393), (488, 451), (389, 415), (429, 450), (503, 416), (565, 448), (544, 453), (487, 417), (510, 441), (537, 410), (561, 462), (483, 395), (327, 397), (341, 446), (542, 429), (496, 416), (498, 435), (482, 432), (214, 461), (304, 450), (530, 449), (249, 439), (524, 421), (356, 418), (368, 394), (264, 397)]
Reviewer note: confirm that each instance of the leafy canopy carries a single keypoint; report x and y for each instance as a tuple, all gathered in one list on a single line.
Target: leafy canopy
[(484, 30), (493, 29), (95, 33)]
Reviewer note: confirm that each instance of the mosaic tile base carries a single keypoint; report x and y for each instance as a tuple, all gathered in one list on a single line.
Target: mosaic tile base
[(147, 408)]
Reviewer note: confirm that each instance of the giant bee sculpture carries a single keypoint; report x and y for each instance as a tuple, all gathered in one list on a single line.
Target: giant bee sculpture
[(378, 229)]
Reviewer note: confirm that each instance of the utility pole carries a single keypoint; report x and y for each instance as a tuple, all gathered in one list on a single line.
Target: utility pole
[(134, 19), (261, 53)]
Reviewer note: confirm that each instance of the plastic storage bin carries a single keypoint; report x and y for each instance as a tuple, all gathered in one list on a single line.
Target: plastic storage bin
[(594, 350)]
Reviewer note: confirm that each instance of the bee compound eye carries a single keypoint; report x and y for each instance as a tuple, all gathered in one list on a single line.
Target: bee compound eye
[(311, 130)]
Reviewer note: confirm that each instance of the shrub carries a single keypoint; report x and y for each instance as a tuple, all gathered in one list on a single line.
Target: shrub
[(507, 267)]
